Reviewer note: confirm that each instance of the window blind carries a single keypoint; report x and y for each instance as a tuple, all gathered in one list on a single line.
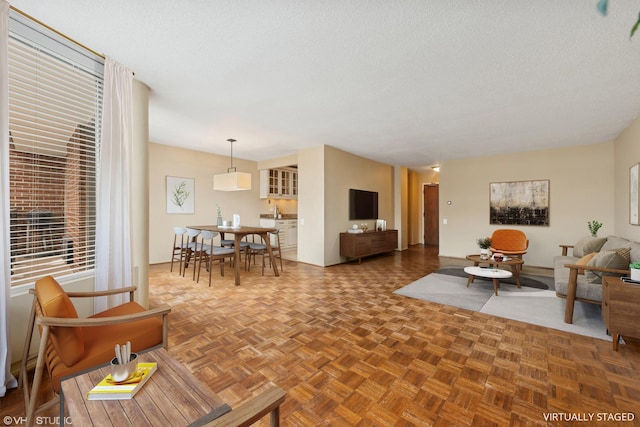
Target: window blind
[(55, 101)]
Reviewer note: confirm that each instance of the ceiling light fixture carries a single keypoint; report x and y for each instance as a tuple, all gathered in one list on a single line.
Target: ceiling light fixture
[(436, 168), (232, 180)]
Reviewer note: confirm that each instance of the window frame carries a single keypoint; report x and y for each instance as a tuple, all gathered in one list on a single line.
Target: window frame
[(38, 39)]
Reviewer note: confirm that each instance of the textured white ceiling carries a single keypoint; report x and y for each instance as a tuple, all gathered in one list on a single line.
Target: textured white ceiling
[(408, 83)]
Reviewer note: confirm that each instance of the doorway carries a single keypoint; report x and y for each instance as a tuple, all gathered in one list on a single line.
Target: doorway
[(431, 218)]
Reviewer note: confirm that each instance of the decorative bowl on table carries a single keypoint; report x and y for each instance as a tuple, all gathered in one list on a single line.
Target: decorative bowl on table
[(122, 372)]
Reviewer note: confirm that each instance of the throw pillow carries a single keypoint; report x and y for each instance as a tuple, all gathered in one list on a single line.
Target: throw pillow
[(588, 244), (615, 242), (585, 260), (616, 259)]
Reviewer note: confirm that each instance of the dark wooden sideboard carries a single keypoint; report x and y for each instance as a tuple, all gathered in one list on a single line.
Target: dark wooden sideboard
[(359, 245)]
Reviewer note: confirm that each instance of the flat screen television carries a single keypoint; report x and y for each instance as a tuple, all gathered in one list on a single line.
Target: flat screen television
[(363, 204)]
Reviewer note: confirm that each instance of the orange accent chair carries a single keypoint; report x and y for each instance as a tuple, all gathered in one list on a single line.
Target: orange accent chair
[(69, 345), (512, 243)]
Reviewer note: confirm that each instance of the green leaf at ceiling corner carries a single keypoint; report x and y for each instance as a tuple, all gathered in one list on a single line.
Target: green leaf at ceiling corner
[(602, 7), (635, 26)]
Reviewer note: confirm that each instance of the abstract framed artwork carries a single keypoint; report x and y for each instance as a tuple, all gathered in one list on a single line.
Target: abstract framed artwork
[(519, 203), (180, 195), (633, 195)]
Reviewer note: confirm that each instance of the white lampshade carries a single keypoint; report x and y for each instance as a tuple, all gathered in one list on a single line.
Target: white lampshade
[(232, 181)]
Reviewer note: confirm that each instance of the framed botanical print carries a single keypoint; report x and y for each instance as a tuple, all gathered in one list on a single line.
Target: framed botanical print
[(180, 195)]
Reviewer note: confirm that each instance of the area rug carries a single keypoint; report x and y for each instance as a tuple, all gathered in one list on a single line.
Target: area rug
[(528, 304)]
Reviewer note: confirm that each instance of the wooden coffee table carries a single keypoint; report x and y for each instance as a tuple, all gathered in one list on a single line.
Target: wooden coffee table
[(515, 263), (173, 396)]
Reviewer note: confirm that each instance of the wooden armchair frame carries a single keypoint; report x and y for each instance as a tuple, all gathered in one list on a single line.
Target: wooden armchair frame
[(46, 323), (572, 286)]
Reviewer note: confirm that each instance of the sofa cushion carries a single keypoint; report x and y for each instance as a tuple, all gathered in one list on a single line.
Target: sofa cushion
[(68, 342), (585, 260), (585, 290), (615, 242), (561, 273), (587, 245), (615, 258)]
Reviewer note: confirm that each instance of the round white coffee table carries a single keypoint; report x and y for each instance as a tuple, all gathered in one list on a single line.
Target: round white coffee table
[(489, 273)]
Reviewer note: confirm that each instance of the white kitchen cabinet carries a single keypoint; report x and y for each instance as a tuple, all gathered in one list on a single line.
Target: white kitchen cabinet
[(288, 231), (279, 183), (292, 234)]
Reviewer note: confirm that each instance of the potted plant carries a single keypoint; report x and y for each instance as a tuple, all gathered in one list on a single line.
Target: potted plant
[(484, 243), (635, 271), (594, 226)]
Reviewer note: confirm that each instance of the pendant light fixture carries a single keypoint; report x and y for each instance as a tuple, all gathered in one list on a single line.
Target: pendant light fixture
[(232, 180)]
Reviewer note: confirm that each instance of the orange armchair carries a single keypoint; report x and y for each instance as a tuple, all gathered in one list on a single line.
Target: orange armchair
[(69, 344), (509, 242)]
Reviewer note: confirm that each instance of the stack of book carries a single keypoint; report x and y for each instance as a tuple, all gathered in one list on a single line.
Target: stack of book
[(627, 279), (107, 389)]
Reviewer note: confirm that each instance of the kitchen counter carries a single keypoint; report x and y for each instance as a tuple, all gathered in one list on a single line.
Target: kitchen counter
[(284, 216), (288, 228)]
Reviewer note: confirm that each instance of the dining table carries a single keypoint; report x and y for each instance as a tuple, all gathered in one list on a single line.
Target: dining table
[(239, 233)]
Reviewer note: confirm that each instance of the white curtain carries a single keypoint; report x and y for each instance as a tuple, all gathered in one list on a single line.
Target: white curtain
[(6, 379), (113, 234)]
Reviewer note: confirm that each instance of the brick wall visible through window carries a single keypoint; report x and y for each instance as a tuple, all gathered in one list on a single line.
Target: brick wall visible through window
[(54, 110)]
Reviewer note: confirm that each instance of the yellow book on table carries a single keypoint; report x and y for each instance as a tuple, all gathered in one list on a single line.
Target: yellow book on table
[(107, 389)]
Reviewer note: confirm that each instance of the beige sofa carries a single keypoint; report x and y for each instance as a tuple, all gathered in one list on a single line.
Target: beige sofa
[(579, 276)]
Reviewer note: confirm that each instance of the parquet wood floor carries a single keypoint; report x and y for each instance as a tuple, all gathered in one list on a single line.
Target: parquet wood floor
[(351, 353)]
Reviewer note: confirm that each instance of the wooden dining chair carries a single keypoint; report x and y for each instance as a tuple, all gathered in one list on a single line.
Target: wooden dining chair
[(209, 252), (276, 247), (179, 248), (254, 249), (230, 243), (191, 250), (260, 248)]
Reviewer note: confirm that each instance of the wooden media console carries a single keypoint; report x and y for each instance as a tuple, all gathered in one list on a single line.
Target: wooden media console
[(359, 245)]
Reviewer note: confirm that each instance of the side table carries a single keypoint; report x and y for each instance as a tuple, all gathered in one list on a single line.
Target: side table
[(172, 396), (620, 308)]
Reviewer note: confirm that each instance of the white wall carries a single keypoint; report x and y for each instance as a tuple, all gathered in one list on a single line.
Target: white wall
[(581, 189), (344, 171), (311, 205), (401, 205), (627, 154), (140, 193), (172, 161)]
